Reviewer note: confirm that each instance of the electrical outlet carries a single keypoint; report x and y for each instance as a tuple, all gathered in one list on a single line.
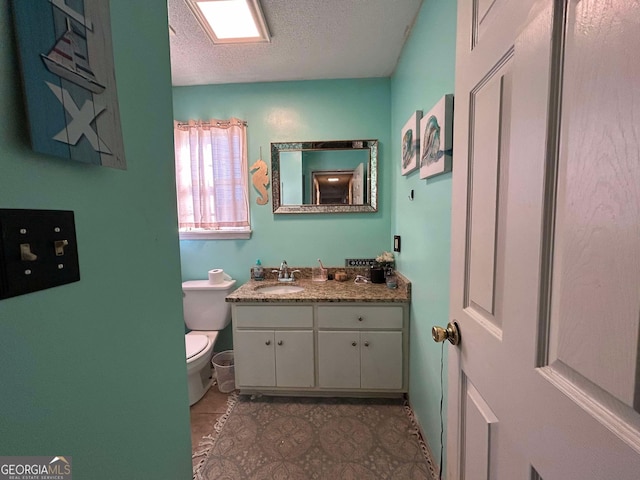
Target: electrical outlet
[(359, 262)]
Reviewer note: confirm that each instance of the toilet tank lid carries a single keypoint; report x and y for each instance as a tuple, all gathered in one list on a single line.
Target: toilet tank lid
[(206, 285)]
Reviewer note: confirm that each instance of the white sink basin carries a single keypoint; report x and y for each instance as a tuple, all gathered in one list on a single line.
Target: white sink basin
[(280, 289)]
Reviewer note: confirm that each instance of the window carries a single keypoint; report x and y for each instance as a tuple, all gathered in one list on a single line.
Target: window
[(212, 179)]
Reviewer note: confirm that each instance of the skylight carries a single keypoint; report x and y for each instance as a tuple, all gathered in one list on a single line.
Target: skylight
[(231, 21)]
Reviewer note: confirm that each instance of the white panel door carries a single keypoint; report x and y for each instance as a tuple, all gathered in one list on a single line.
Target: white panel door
[(358, 185), (545, 269)]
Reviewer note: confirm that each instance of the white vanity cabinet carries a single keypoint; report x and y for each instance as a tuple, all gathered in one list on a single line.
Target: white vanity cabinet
[(336, 348), (273, 346), (361, 347)]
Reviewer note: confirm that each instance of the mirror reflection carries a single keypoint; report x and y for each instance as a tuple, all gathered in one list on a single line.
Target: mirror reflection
[(341, 187), (324, 177)]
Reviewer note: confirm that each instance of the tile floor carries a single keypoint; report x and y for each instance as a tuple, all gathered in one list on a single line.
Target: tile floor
[(205, 413)]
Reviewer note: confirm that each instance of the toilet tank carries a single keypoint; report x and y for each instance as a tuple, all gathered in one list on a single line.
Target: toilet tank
[(204, 306)]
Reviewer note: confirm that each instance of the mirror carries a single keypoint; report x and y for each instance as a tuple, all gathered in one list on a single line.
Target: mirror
[(325, 177)]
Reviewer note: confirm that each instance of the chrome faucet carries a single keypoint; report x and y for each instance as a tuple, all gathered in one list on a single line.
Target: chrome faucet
[(283, 273)]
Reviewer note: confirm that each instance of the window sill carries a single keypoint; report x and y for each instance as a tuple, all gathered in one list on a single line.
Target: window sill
[(216, 235)]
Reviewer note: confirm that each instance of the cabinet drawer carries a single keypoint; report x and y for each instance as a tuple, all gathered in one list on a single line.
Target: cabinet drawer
[(360, 317), (270, 316)]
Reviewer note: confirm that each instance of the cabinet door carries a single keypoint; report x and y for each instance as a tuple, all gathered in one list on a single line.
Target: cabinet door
[(254, 358), (381, 360), (294, 358), (339, 359)]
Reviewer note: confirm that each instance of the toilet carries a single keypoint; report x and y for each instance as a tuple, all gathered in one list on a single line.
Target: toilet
[(205, 313)]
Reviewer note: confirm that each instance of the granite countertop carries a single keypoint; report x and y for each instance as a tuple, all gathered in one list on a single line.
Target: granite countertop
[(328, 291)]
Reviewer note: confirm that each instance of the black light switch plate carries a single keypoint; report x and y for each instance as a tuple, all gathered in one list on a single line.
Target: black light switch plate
[(396, 243), (38, 250)]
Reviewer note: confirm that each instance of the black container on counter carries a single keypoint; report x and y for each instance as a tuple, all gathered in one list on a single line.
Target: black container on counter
[(377, 275)]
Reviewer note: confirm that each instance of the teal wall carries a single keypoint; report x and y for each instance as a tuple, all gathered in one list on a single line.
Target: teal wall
[(424, 74), (96, 369), (295, 111), (291, 178)]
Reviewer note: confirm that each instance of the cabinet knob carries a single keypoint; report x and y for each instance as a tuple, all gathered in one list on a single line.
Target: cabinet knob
[(279, 342), (366, 344), (353, 343), (268, 342), (360, 319)]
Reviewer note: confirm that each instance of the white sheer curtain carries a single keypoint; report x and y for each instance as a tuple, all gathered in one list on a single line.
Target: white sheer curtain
[(212, 175)]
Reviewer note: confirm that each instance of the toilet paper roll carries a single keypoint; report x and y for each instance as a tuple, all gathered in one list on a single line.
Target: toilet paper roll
[(216, 275)]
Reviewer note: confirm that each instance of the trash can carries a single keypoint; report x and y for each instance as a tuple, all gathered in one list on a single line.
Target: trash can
[(225, 372)]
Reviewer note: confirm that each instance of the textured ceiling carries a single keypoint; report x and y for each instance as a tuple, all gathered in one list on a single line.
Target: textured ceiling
[(310, 39)]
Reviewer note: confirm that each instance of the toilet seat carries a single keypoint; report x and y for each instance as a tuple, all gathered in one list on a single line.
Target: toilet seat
[(194, 344)]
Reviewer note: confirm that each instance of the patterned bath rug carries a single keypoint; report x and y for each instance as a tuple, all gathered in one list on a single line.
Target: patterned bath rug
[(300, 438)]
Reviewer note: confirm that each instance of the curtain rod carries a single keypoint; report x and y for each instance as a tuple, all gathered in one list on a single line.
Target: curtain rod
[(217, 124)]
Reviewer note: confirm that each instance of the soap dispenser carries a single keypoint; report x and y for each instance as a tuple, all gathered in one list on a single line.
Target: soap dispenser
[(258, 271)]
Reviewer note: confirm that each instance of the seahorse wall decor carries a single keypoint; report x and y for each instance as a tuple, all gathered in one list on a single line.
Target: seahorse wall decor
[(260, 180)]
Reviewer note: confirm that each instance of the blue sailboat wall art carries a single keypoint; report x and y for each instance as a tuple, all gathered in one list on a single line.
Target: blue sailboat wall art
[(66, 58)]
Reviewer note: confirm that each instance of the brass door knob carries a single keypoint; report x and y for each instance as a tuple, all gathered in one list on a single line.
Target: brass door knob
[(451, 333)]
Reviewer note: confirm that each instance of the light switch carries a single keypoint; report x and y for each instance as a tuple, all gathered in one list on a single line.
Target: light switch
[(26, 255), (38, 250), (59, 245), (396, 243)]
